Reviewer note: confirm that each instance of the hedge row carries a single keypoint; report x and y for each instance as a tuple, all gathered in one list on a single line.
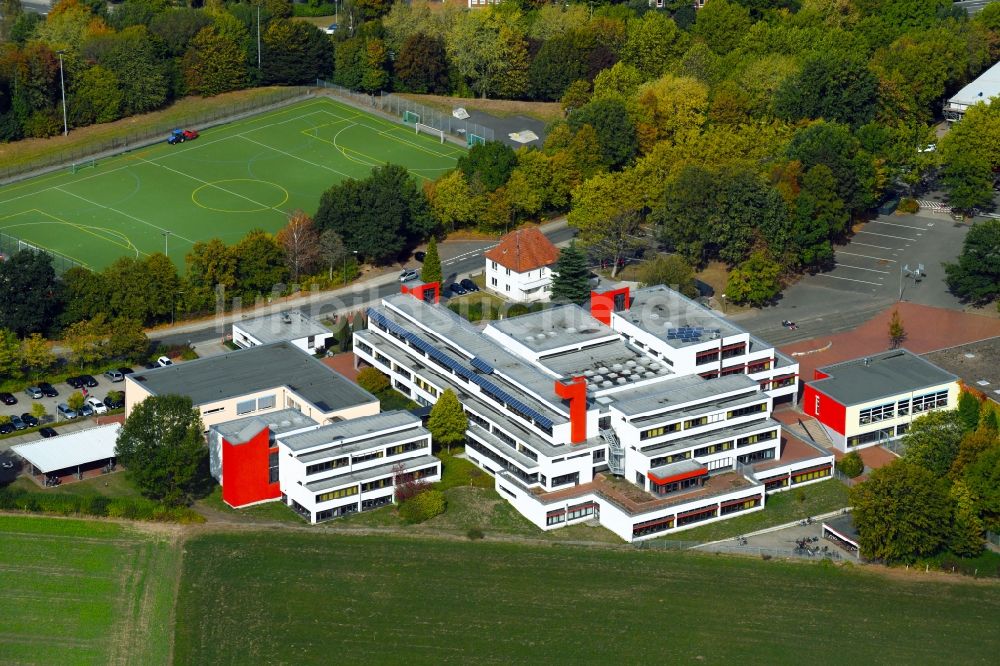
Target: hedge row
[(132, 508)]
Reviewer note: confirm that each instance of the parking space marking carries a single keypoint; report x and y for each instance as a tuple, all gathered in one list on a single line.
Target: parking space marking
[(866, 256), (879, 247), (858, 268), (893, 224), (872, 233), (837, 277)]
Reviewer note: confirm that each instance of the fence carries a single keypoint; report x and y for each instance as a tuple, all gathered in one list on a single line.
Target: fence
[(843, 478), (800, 553), (10, 245), (398, 107), (153, 133), (666, 544)]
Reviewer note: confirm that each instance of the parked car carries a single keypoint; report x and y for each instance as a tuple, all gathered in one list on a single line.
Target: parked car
[(88, 380), (469, 286), (420, 256), (48, 390), (163, 361), (408, 274), (18, 424), (181, 135), (8, 399), (115, 375), (116, 402), (75, 382), (86, 411), (95, 404), (34, 392), (330, 29), (66, 412), (456, 289), (47, 432), (125, 370), (6, 428), (151, 366), (29, 420)]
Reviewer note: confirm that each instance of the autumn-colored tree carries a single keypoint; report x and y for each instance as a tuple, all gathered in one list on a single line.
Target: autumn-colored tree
[(300, 242), (896, 331), (214, 64)]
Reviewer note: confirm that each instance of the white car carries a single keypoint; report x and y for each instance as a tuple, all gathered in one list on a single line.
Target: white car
[(96, 404), (330, 29), (163, 361)]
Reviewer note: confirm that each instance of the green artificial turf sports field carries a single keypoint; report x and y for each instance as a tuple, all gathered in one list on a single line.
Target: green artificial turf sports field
[(84, 592), (313, 598), (233, 178)]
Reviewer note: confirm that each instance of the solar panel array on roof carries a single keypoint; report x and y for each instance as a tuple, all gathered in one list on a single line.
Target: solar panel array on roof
[(452, 364), (481, 365), (685, 333)]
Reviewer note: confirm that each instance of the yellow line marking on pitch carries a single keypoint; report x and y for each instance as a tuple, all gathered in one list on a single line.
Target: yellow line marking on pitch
[(214, 183)]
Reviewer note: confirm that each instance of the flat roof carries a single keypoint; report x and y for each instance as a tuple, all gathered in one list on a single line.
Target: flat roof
[(239, 431), (281, 326), (879, 376), (669, 395), (663, 312), (554, 328), (607, 365), (844, 526), (351, 429), (980, 89), (252, 370), (76, 448), (976, 363)]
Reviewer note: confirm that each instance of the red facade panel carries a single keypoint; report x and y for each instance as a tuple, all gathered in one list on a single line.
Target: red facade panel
[(828, 411), (576, 392), (245, 471)]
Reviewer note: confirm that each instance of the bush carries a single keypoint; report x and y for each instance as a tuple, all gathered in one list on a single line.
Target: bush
[(373, 381), (908, 206), (308, 9), (474, 534), (423, 507), (851, 465), (133, 508)]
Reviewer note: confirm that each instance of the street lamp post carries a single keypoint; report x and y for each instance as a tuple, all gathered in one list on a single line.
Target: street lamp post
[(355, 253), (62, 86)]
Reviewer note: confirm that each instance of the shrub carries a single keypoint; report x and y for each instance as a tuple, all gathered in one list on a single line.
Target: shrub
[(94, 505), (373, 381), (474, 534), (423, 507), (908, 205), (851, 465)]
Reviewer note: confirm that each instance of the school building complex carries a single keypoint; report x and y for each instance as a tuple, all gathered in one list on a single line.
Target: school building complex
[(648, 413)]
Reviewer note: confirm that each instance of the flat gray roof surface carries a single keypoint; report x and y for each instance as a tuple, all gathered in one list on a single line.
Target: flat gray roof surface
[(981, 89), (608, 365), (975, 363), (552, 328), (671, 394), (246, 371), (886, 375), (350, 429), (281, 421), (282, 326), (844, 525), (680, 467), (659, 309)]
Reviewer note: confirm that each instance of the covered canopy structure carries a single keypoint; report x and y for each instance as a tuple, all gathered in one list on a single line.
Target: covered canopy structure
[(73, 453), (842, 532)]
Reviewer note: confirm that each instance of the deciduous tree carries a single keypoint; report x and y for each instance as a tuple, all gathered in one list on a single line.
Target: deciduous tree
[(616, 134), (37, 354), (902, 512), (213, 64), (896, 331), (836, 86), (422, 65), (652, 43), (756, 281), (95, 97), (331, 250), (162, 446), (670, 270), (983, 480), (975, 277), (451, 200), (968, 411), (260, 264), (210, 265), (932, 441), (966, 538), (448, 421), (31, 293), (300, 242), (490, 164)]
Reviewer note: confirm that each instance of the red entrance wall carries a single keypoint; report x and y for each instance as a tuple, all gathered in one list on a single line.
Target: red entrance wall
[(830, 413), (245, 471)]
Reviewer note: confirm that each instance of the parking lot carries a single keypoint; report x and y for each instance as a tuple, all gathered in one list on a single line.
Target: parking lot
[(25, 403), (885, 255)]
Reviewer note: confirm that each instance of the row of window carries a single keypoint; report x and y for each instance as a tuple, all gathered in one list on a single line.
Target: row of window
[(756, 456), (742, 506), (327, 514), (676, 486), (875, 436), (500, 460), (336, 494), (659, 431), (572, 513), (757, 437), (810, 476), (255, 404), (565, 479), (423, 385), (697, 517), (326, 465), (652, 526)]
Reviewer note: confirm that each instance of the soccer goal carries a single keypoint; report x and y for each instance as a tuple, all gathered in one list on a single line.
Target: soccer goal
[(427, 129), (409, 117), (86, 164), (474, 139)]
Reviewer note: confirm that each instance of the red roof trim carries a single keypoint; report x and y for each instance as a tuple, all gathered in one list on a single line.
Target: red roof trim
[(811, 469)]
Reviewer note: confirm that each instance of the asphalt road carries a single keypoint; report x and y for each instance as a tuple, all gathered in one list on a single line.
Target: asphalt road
[(458, 260), (973, 7)]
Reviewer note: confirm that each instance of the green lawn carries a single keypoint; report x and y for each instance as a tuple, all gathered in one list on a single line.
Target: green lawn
[(266, 512), (85, 592), (781, 508), (108, 485), (295, 598), (235, 177)]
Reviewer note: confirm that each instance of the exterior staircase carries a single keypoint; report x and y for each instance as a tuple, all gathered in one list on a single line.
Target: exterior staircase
[(616, 452)]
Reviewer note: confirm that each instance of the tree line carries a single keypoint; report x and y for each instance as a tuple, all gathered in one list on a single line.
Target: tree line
[(137, 56)]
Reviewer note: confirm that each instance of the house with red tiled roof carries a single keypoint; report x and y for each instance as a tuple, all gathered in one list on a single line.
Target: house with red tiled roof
[(520, 267)]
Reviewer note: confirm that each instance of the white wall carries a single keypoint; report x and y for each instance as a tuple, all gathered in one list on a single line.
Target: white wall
[(529, 287)]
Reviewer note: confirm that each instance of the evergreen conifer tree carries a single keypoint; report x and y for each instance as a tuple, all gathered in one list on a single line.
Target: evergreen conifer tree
[(571, 283), (431, 271)]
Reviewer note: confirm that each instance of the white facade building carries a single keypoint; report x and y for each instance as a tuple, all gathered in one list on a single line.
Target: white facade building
[(982, 90), (520, 267), (295, 327), (651, 413)]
